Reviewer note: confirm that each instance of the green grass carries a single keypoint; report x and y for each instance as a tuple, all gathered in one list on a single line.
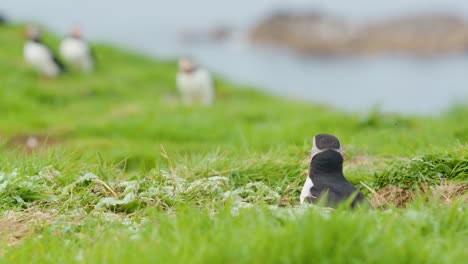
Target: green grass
[(414, 235), (431, 169), (208, 184)]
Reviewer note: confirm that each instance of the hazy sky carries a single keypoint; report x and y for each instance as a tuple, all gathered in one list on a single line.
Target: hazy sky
[(201, 13)]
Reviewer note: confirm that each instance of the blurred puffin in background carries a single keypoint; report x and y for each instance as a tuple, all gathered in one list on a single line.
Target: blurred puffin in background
[(194, 83), (39, 56), (3, 20), (76, 52)]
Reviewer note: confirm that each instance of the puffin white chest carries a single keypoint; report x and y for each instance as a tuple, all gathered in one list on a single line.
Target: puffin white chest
[(77, 53), (196, 86), (196, 81), (306, 189), (40, 58)]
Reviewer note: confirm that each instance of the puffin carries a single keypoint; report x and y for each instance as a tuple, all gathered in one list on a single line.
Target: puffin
[(39, 56), (326, 178), (3, 20), (76, 52), (194, 83)]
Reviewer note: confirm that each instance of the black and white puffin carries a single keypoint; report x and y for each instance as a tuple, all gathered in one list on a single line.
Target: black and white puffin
[(76, 52), (326, 175), (194, 83), (39, 56), (3, 20)]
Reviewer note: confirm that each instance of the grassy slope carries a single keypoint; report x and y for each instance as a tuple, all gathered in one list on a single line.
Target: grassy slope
[(126, 112)]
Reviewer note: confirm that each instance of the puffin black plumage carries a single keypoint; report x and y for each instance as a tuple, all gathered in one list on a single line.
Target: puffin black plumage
[(326, 176), (3, 20), (39, 56)]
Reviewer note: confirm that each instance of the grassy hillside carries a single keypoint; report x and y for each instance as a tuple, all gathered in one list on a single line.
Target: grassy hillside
[(128, 173)]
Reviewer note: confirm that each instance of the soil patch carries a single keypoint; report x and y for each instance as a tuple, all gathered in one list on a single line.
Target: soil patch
[(32, 142)]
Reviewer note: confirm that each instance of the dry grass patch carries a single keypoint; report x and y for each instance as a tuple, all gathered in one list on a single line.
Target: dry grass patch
[(366, 162), (397, 196), (15, 226)]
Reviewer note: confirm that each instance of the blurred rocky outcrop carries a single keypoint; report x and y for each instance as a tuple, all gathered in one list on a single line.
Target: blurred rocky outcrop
[(314, 33), (219, 33)]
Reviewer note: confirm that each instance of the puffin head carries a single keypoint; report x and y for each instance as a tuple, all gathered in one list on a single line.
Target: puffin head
[(186, 64), (324, 142), (32, 33), (327, 154), (77, 32)]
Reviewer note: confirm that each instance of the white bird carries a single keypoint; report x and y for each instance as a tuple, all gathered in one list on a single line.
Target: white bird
[(194, 83), (76, 52), (39, 56)]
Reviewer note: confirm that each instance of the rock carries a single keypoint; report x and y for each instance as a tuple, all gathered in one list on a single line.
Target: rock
[(304, 32), (314, 33), (220, 33)]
